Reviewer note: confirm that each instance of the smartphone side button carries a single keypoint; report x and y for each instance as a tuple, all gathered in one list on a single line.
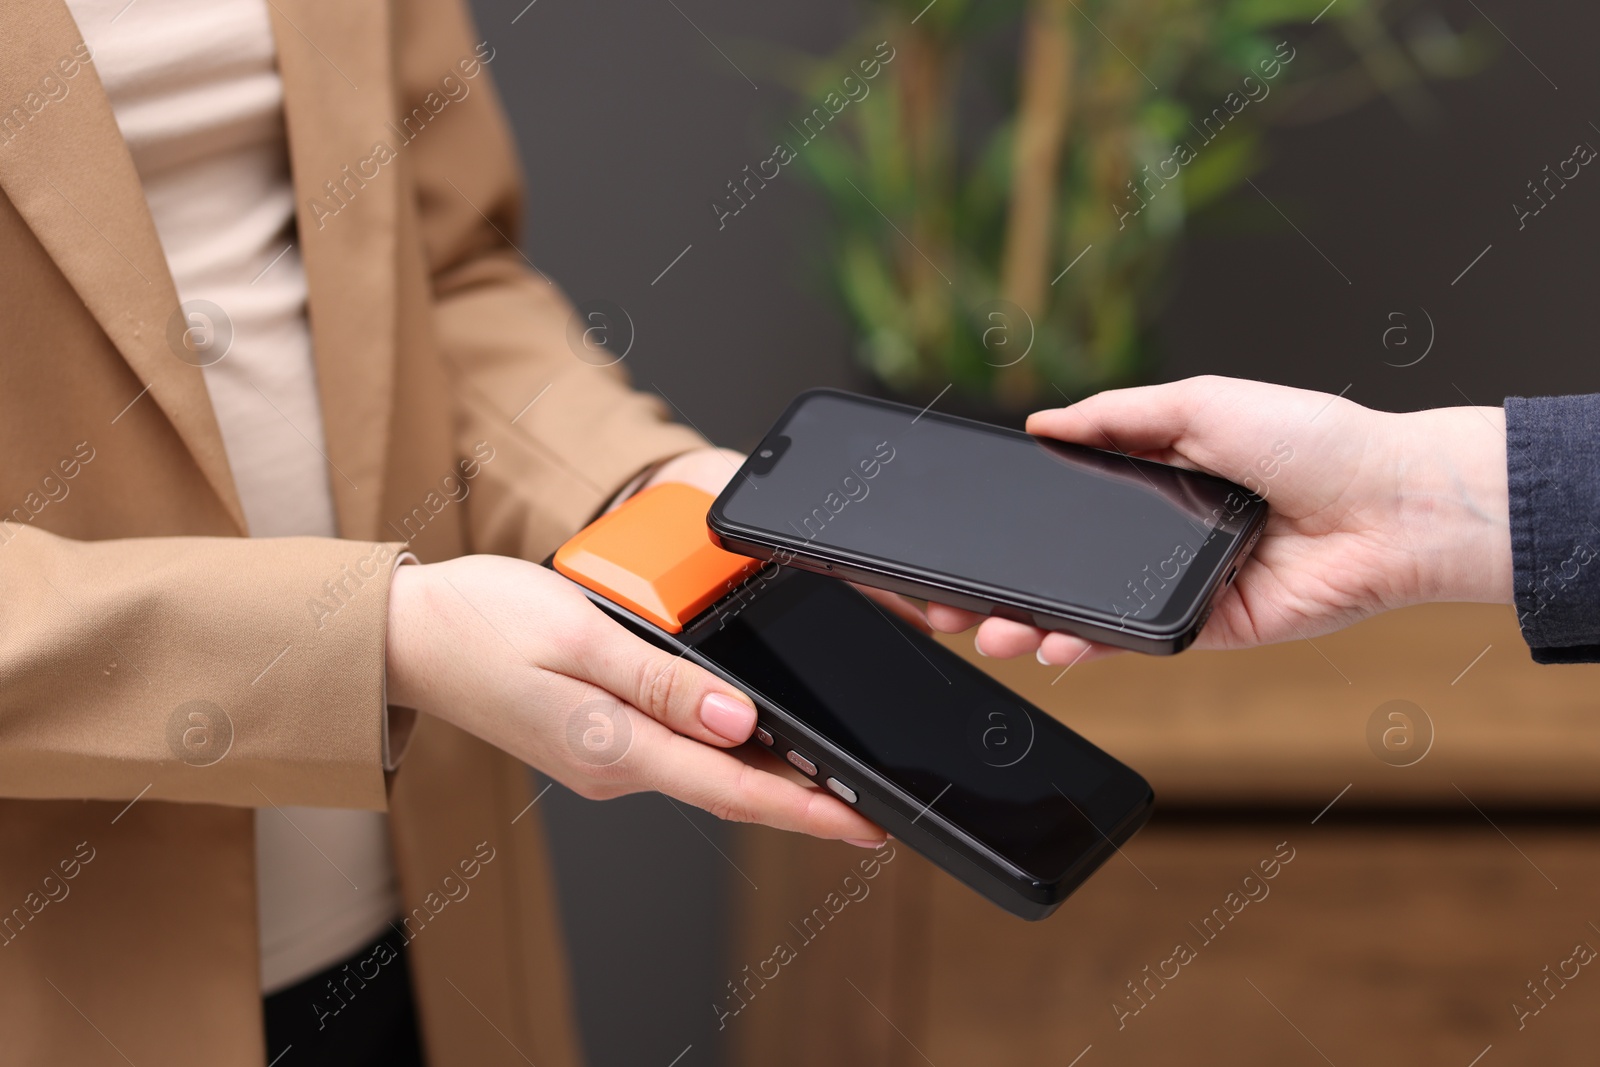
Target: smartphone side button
[(842, 791), (764, 736), (804, 764)]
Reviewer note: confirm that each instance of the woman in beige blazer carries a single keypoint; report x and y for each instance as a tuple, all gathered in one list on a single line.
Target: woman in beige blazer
[(138, 618)]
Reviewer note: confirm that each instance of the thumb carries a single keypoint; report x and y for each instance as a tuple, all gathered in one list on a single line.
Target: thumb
[(1144, 419), (684, 697)]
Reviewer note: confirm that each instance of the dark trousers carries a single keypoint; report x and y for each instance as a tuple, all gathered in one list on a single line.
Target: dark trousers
[(358, 1012)]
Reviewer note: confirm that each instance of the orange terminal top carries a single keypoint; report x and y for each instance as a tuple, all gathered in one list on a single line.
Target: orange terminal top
[(654, 556)]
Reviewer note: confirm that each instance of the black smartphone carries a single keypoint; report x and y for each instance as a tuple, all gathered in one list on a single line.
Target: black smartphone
[(945, 758), (990, 788), (1120, 550)]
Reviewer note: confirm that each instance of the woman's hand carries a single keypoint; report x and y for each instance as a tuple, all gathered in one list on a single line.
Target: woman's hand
[(1368, 510), (705, 468), (513, 653)]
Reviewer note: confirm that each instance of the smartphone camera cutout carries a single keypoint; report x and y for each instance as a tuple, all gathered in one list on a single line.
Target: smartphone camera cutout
[(767, 455)]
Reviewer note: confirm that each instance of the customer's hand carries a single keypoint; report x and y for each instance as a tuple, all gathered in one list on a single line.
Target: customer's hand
[(1368, 510)]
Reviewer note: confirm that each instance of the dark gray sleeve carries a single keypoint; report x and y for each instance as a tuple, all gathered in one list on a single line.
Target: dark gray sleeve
[(1553, 471)]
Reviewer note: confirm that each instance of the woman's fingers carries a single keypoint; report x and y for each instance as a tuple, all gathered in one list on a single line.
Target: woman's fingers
[(685, 697), (731, 789)]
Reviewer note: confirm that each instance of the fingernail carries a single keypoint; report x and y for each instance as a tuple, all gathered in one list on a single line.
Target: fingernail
[(979, 648), (1039, 655), (728, 718), (863, 844)]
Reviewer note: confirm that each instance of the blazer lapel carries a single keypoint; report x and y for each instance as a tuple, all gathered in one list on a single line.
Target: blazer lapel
[(66, 169), (338, 99)]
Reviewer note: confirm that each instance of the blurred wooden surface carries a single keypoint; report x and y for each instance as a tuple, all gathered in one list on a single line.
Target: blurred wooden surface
[(1288, 723), (1401, 944), (1401, 933)]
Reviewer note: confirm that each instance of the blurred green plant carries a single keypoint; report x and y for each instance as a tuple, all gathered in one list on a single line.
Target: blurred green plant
[(950, 225)]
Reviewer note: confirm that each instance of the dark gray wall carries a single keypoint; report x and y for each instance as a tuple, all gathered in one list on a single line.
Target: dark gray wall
[(1402, 212), (630, 121)]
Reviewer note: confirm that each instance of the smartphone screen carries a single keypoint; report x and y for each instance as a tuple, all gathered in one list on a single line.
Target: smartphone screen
[(935, 726), (1033, 520)]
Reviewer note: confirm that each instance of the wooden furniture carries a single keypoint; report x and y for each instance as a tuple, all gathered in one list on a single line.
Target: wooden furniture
[(1420, 903)]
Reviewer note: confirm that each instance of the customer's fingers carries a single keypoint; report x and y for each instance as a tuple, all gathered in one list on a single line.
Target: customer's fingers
[(1130, 420), (948, 620), (896, 605), (1003, 638), (1068, 650), (731, 789)]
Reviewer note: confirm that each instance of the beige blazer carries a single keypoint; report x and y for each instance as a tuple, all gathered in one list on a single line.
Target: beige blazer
[(129, 591)]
